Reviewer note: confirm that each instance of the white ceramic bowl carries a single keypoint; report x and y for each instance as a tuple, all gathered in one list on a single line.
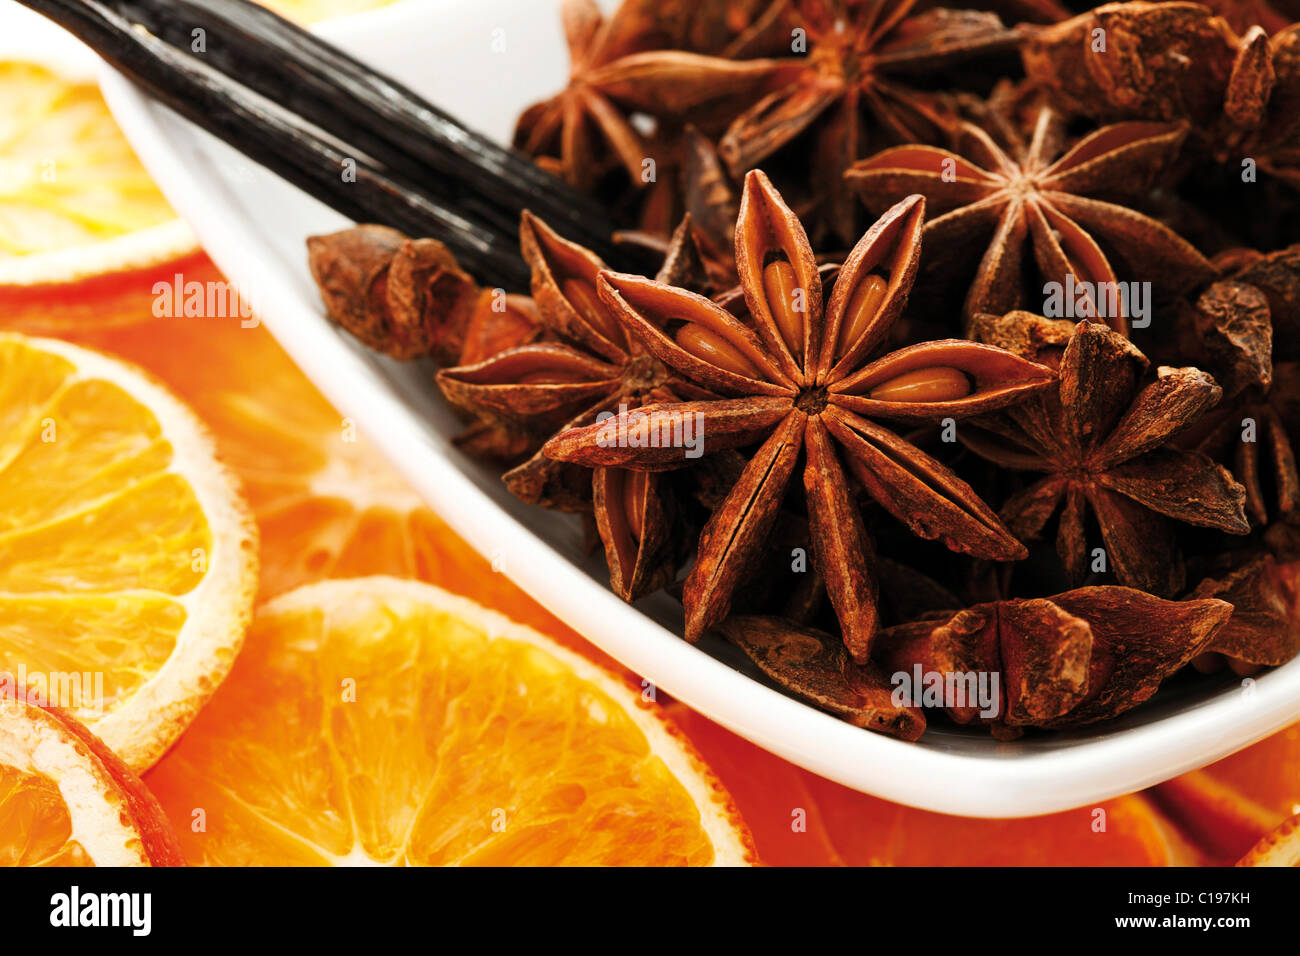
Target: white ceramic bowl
[(483, 60)]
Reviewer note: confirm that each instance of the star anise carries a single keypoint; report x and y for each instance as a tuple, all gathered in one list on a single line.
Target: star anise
[(409, 298), (592, 366), (1018, 11), (814, 667), (797, 379), (848, 88), (1159, 61), (711, 200), (1039, 198), (1229, 333), (1264, 630), (584, 132), (1277, 275), (1102, 438), (1063, 661), (736, 29), (1239, 89)]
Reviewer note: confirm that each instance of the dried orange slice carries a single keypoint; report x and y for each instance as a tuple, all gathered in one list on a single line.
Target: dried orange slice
[(74, 200), (128, 560), (1279, 848), (1235, 802), (382, 721), (326, 502), (801, 819), (66, 800)]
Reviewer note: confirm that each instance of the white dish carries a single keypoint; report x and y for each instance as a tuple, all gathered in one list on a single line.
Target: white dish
[(254, 226)]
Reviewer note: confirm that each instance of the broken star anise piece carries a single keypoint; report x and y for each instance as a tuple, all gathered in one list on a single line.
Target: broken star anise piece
[(797, 379), (1264, 629), (1030, 336), (1229, 332), (848, 87), (1063, 661), (409, 298), (712, 202), (1037, 197), (1160, 61), (592, 368), (813, 666), (1102, 438), (1238, 88), (1277, 276)]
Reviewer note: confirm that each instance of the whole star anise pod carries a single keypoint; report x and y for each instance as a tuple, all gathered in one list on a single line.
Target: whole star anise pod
[(591, 366), (1039, 198), (797, 378), (1063, 661), (1102, 439), (584, 131), (848, 88)]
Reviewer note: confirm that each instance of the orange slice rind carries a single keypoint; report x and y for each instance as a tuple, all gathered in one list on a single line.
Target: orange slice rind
[(65, 800), (128, 563), (378, 721)]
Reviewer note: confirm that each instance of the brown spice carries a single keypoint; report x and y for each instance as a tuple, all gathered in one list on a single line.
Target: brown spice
[(1180, 61), (615, 70), (1064, 661), (1230, 330), (814, 666), (1038, 197), (785, 365), (592, 367), (807, 398), (1264, 629), (1102, 439), (408, 298), (851, 85)]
